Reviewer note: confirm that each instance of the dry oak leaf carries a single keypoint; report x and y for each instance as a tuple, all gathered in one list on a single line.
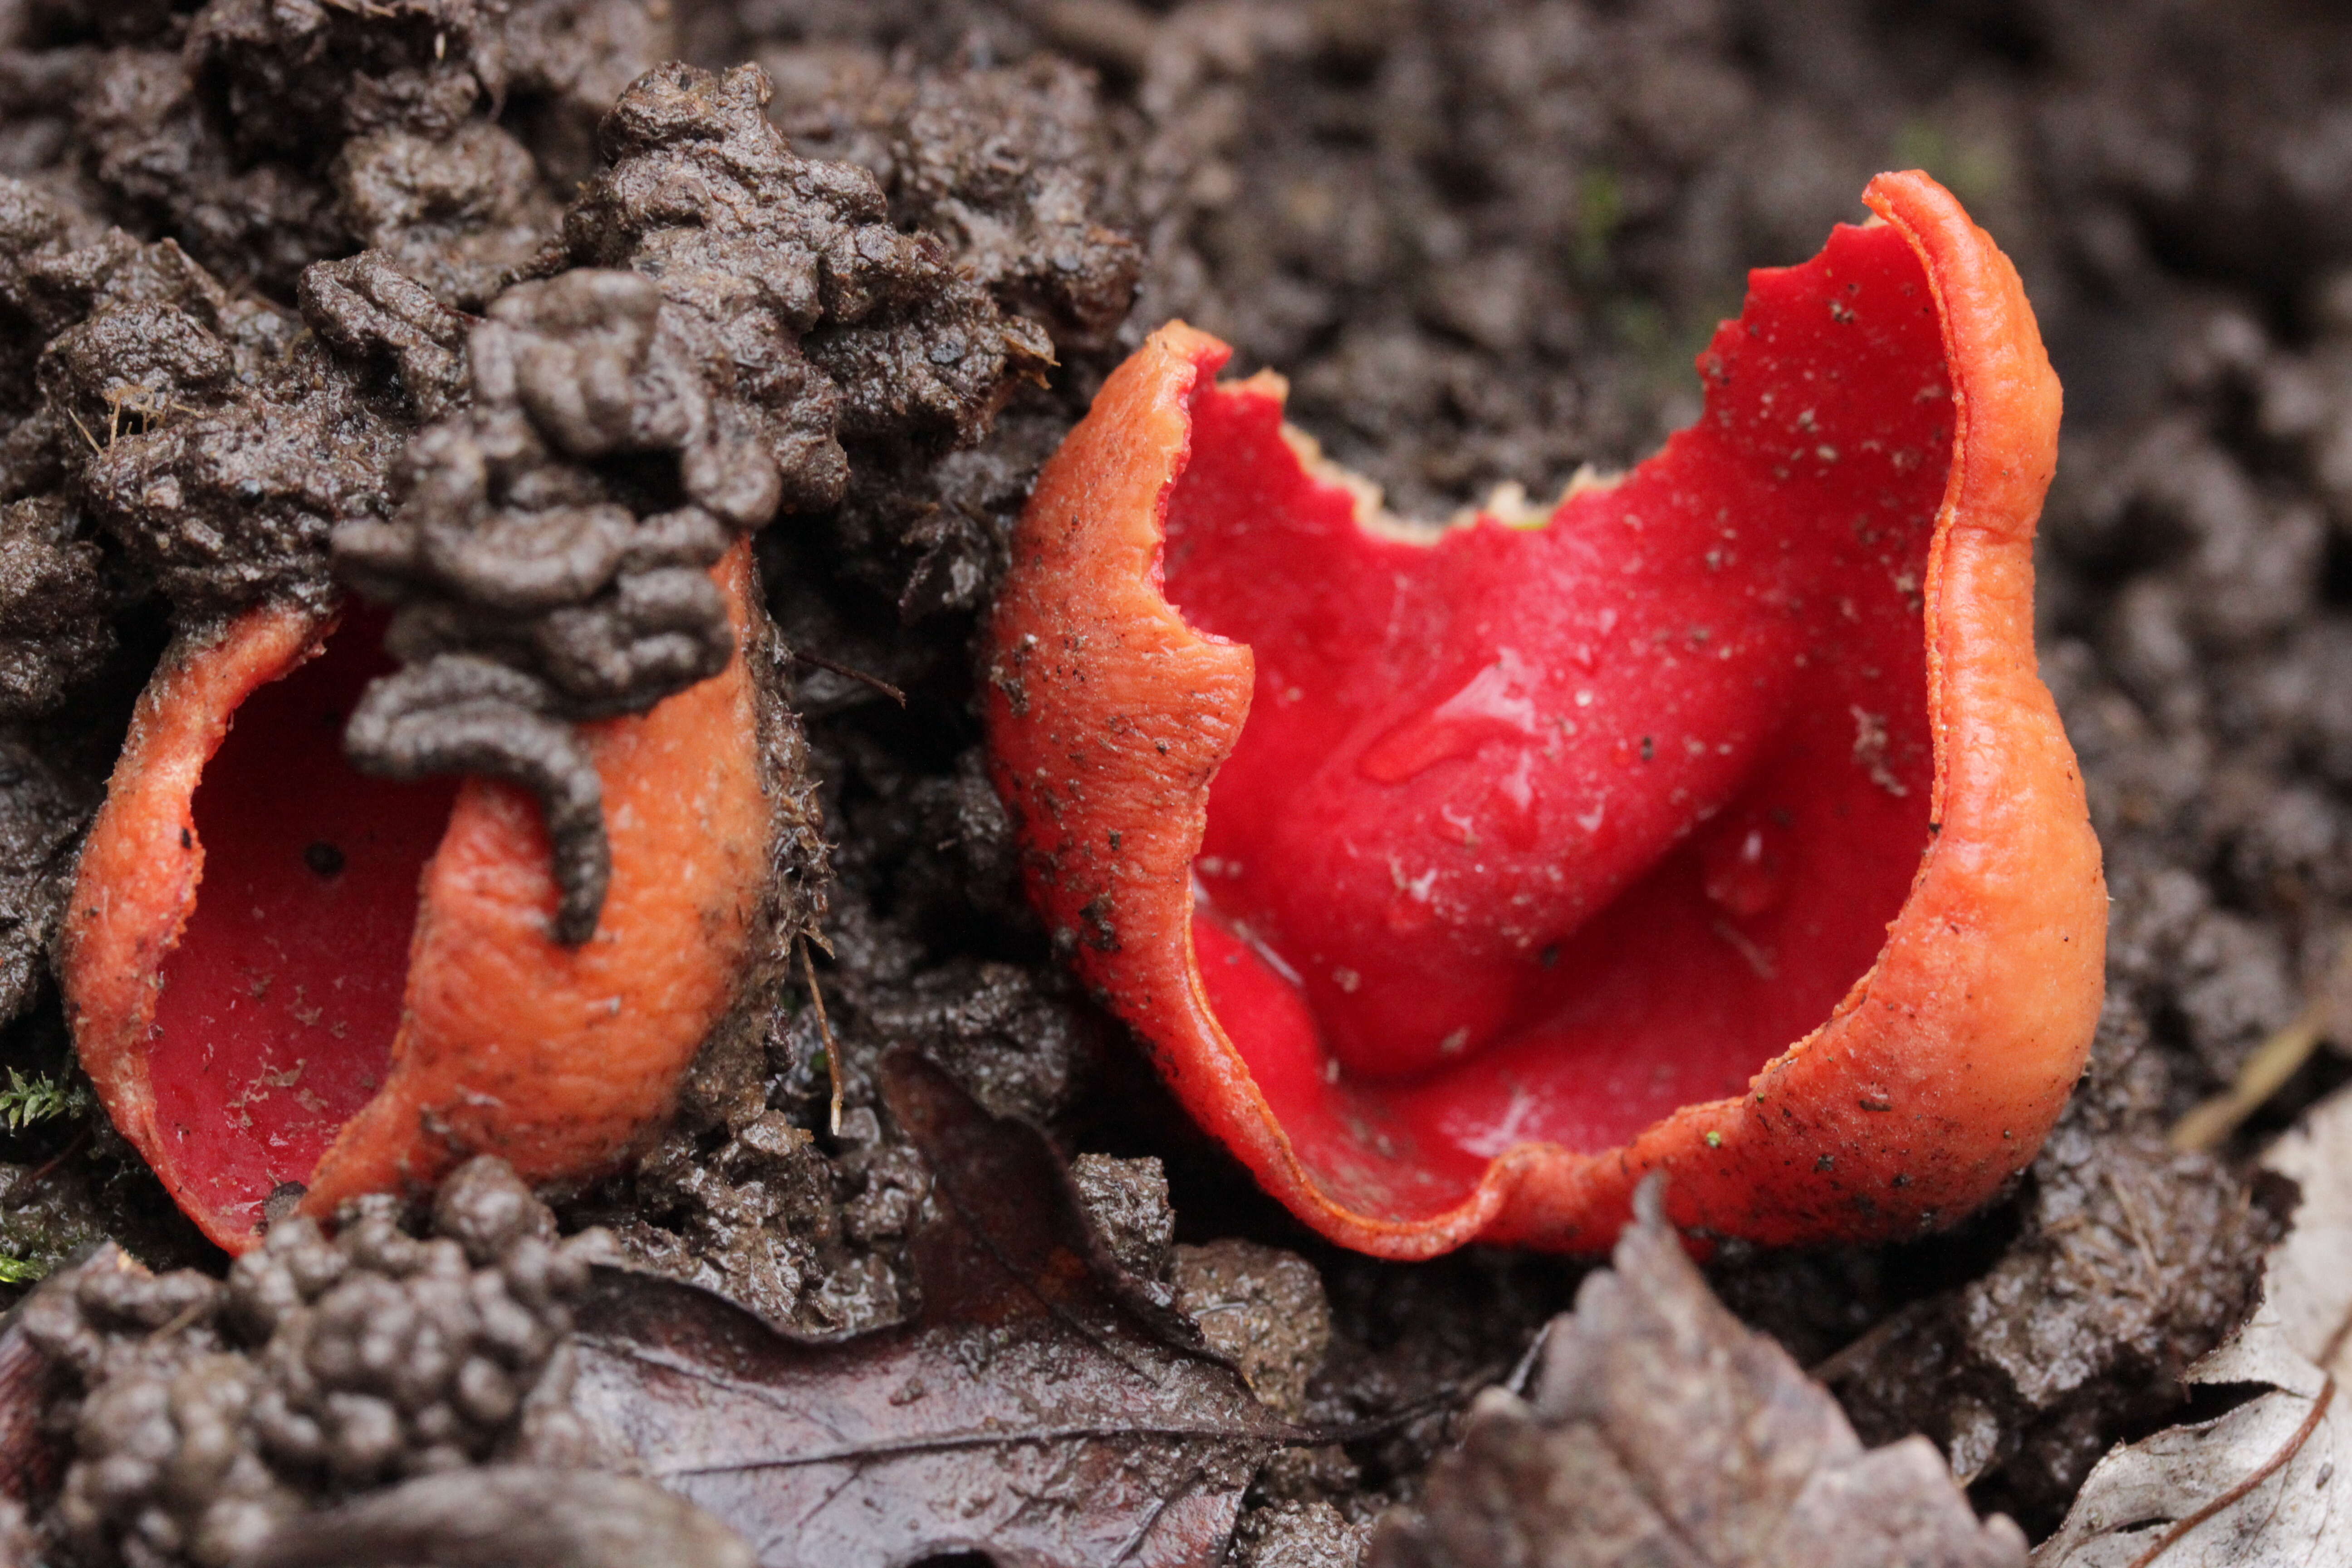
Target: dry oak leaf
[(31, 1460), (508, 1516), (2154, 1501), (1044, 1410), (1663, 1433)]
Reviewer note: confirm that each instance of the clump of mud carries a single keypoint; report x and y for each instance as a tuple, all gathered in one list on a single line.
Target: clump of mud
[(204, 1414)]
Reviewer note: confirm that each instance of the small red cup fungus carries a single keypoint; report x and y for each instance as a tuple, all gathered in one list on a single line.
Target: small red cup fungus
[(1720, 824), (368, 990)]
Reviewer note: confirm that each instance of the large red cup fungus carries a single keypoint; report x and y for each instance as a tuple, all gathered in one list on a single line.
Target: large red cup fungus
[(1720, 824), (368, 989)]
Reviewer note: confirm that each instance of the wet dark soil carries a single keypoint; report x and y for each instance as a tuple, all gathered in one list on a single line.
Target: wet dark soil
[(1482, 239)]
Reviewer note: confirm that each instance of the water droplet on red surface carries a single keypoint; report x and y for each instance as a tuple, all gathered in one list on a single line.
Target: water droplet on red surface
[(1411, 909), (1513, 806), (1747, 870), (1493, 704)]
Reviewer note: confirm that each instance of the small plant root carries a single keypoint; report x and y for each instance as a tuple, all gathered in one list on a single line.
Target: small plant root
[(850, 672), (824, 1032), (2273, 1062)]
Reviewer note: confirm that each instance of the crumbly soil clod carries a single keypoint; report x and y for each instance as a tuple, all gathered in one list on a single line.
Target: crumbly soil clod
[(206, 1413), (717, 316)]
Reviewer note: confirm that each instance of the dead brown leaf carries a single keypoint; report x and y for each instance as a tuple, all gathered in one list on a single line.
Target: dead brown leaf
[(1044, 1410), (1660, 1432), (29, 1458), (2269, 1482), (507, 1516)]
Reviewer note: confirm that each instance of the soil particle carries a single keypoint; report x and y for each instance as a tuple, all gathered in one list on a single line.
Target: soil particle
[(807, 1229), (1127, 1201), (758, 1220), (1414, 1340), (204, 1412), (720, 315), (54, 630), (1298, 1535), (2129, 1257), (1020, 172), (704, 193), (47, 799), (292, 73), (374, 313), (1261, 1308), (1011, 168), (265, 137), (461, 213), (1018, 1043), (934, 540), (2231, 166), (201, 435), (810, 1231)]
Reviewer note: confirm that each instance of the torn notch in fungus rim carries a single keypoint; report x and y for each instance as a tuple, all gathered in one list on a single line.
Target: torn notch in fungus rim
[(369, 986), (1720, 824)]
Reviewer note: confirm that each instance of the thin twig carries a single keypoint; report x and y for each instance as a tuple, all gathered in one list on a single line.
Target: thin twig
[(1523, 1371), (2274, 1061), (2132, 1223), (1857, 1352), (823, 1029), (1450, 1397), (2270, 1467), (848, 672), (2265, 1072), (1115, 33)]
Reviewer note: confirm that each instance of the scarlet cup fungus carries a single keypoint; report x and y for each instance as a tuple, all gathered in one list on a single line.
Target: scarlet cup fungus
[(1718, 823), (369, 989)]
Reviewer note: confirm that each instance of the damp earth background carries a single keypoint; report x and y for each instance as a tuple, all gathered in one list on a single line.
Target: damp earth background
[(1483, 240)]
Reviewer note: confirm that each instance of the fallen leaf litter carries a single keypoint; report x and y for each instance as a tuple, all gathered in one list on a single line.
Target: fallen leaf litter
[(1045, 1406), (1656, 1429), (2270, 1481)]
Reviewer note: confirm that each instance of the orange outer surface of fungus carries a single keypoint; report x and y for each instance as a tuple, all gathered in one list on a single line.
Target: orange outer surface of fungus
[(504, 1041), (1926, 1088)]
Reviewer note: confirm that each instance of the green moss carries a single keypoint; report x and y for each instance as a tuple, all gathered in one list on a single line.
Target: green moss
[(29, 1102)]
